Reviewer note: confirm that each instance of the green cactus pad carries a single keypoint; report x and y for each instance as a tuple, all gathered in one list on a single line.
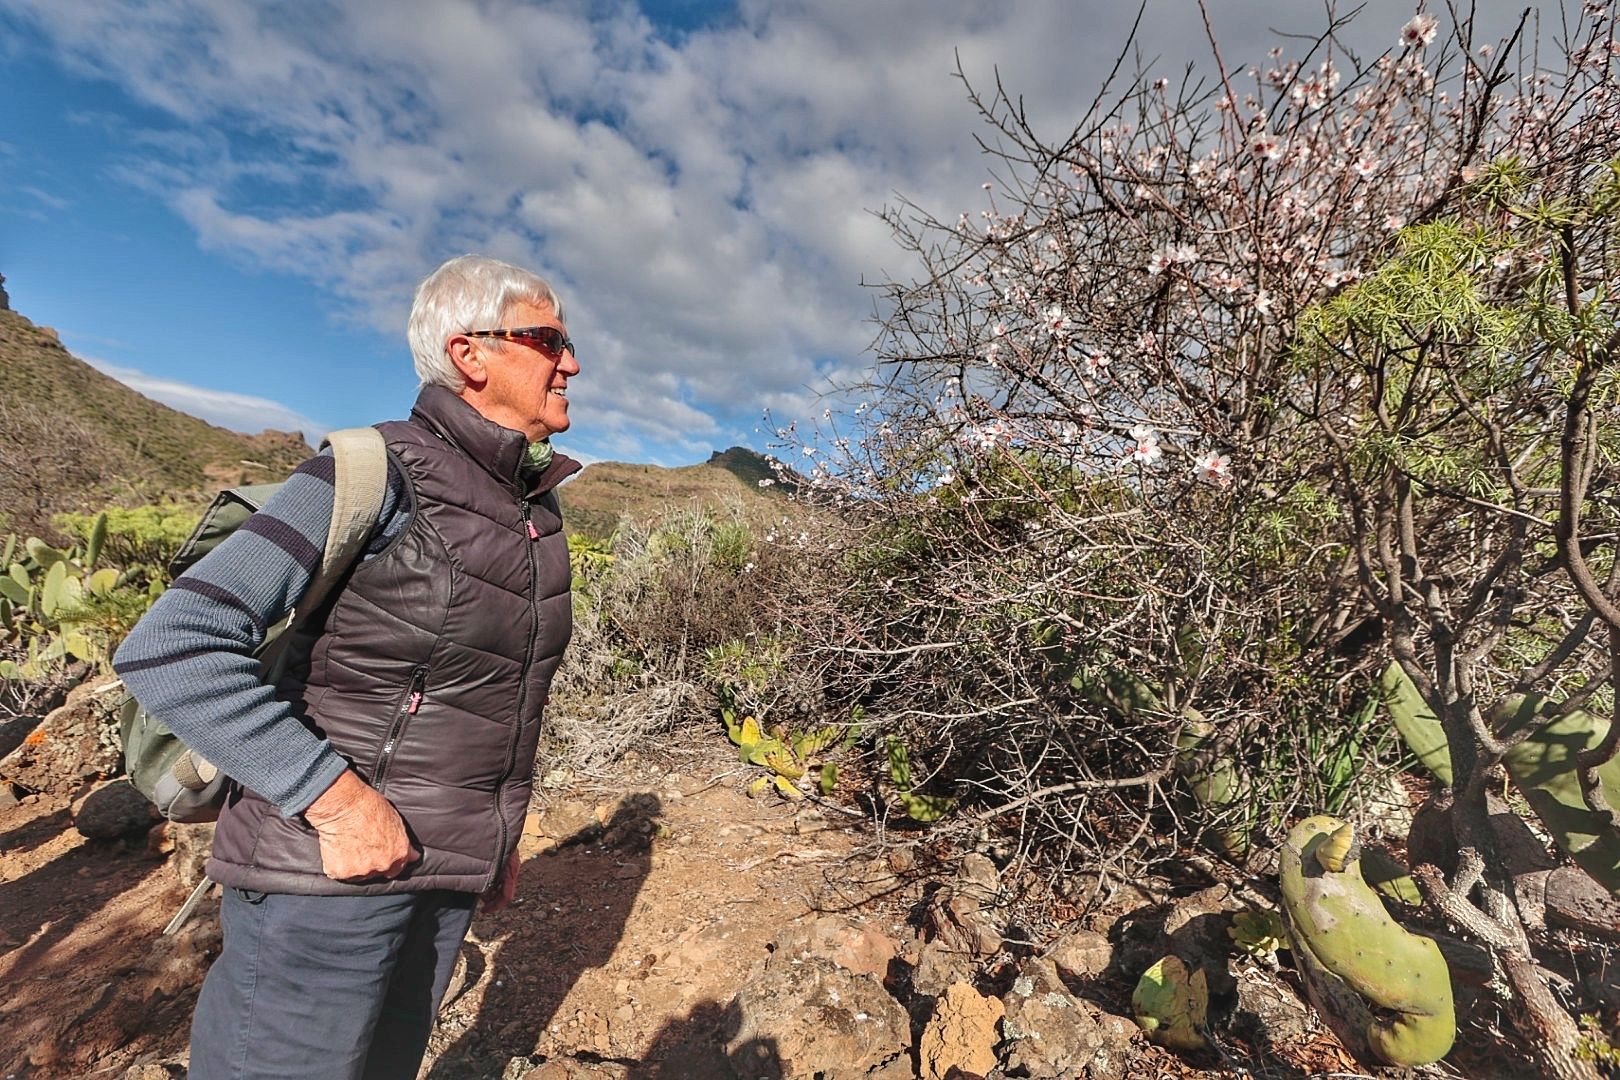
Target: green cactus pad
[(1172, 1004), (1419, 727), (1543, 766), (1385, 873), (1518, 711), (1384, 991), (1212, 776)]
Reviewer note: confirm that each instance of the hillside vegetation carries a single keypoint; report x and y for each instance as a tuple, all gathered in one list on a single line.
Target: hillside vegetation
[(72, 438), (604, 493)]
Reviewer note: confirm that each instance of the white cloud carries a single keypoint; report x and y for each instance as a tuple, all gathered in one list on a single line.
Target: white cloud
[(703, 203), (238, 412)]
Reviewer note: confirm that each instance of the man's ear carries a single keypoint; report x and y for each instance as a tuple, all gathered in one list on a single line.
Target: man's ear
[(468, 359)]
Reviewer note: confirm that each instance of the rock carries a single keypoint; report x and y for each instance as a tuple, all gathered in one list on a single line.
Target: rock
[(14, 731), (571, 821), (961, 1037), (187, 845), (1269, 1012), (810, 820), (858, 948), (937, 967), (74, 743), (1196, 929), (978, 879), (961, 923), (815, 1019), (155, 1070), (112, 810), (1053, 1035), (1081, 954)]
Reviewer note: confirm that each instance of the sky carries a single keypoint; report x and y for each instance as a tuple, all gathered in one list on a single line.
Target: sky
[(227, 204)]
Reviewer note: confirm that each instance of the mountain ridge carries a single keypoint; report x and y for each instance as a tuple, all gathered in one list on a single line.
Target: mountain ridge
[(75, 438)]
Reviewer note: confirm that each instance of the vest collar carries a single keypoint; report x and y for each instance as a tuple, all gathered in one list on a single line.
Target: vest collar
[(497, 450)]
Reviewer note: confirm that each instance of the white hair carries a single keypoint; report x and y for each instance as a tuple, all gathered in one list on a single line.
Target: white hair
[(469, 292)]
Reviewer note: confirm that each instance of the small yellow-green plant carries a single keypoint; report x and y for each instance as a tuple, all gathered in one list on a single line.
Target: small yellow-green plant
[(1258, 931), (588, 558), (918, 807), (1594, 1044), (788, 759)]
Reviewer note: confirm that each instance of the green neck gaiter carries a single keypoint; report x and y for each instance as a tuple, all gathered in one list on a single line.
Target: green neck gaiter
[(536, 457)]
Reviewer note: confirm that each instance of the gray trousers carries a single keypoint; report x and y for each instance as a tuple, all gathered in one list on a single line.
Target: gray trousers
[(326, 987)]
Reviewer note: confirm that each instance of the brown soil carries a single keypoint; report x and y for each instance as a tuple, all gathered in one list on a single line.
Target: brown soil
[(645, 901), (632, 930)]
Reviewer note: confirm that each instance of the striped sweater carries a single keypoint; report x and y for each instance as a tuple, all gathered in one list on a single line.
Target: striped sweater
[(190, 659)]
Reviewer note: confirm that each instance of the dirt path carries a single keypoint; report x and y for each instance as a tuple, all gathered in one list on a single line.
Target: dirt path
[(643, 904)]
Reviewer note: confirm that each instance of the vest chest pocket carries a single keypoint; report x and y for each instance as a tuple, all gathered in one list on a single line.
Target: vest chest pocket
[(409, 702)]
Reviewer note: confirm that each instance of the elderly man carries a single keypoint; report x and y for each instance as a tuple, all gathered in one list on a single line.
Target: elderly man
[(382, 783)]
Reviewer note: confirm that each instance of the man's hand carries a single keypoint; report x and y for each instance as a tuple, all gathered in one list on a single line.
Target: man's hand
[(505, 888), (361, 833)]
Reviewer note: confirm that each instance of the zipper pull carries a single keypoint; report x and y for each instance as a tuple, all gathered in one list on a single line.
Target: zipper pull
[(418, 684), (534, 533)]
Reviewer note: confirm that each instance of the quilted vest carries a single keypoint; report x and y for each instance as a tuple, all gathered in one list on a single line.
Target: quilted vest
[(430, 670)]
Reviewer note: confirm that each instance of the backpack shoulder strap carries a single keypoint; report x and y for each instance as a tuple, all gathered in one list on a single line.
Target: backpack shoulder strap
[(359, 482)]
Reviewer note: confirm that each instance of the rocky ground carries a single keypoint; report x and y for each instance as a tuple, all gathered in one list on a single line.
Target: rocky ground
[(667, 926)]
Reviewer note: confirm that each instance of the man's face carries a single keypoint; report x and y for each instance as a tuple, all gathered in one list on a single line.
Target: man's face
[(527, 389)]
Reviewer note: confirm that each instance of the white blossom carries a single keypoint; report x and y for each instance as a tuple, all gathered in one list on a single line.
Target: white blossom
[(1420, 30), (1056, 321), (1213, 468), (1144, 448), (1171, 255)]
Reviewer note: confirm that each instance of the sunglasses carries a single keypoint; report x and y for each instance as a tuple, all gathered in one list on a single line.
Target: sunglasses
[(548, 339)]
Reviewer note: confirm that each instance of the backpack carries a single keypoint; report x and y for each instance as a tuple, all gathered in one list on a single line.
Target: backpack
[(183, 785)]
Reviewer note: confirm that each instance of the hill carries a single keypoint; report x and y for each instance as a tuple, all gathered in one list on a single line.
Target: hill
[(602, 493), (73, 438)]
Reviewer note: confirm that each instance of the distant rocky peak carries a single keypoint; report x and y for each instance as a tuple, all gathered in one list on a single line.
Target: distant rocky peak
[(5, 301)]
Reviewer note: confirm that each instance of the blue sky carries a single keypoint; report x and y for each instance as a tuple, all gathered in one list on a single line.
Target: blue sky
[(226, 203)]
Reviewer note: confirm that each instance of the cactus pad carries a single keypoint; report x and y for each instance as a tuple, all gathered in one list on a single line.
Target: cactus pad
[(1172, 1004), (1543, 766), (1384, 991), (1420, 729)]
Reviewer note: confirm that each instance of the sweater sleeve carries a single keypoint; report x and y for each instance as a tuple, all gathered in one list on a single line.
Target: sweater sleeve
[(190, 660)]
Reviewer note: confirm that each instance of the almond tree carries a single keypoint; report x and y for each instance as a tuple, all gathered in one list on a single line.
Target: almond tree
[(1240, 387)]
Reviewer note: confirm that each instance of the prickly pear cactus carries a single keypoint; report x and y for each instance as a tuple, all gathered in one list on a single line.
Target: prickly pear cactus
[(1543, 766), (1171, 1004), (1213, 778), (1385, 992), (1419, 728)]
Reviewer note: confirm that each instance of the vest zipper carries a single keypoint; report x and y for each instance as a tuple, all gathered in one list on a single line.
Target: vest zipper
[(408, 706), (523, 689)]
